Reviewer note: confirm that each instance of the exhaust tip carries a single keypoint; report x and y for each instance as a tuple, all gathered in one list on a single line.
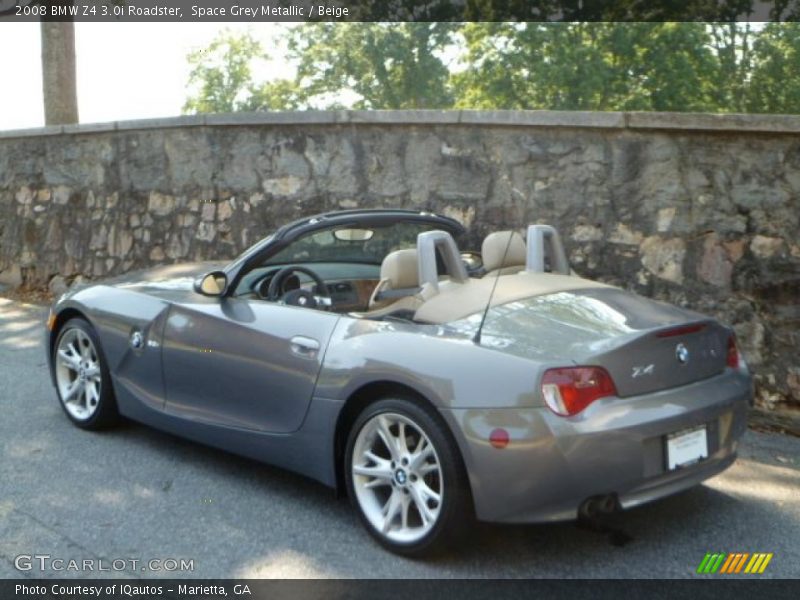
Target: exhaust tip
[(595, 505), (609, 504), (588, 509)]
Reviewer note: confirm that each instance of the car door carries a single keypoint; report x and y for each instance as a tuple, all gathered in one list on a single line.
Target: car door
[(243, 363)]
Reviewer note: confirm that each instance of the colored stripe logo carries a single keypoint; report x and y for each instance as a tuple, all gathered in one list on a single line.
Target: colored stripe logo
[(732, 563)]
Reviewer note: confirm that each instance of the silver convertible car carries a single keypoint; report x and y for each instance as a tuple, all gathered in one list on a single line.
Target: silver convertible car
[(363, 349)]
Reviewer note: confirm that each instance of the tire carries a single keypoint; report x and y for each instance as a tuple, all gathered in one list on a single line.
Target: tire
[(83, 382), (391, 489)]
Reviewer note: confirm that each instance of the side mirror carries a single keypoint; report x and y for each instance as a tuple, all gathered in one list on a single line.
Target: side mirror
[(211, 284)]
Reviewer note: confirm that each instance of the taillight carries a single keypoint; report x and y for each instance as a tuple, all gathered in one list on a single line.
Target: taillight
[(732, 358), (569, 390), (685, 330)]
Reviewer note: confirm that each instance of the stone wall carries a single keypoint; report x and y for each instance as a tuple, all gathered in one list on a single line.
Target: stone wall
[(698, 210)]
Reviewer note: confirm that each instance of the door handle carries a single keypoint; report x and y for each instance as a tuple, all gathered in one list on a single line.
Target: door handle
[(304, 346)]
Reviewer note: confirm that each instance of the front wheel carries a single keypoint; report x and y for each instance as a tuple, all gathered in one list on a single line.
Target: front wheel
[(83, 382), (405, 477)]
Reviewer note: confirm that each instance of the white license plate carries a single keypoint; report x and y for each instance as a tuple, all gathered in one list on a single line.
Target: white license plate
[(686, 447)]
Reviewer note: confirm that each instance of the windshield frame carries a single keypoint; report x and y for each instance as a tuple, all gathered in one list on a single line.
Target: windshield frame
[(286, 235)]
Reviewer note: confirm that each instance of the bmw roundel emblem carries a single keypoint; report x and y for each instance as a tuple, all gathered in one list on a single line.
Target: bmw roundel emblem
[(682, 354), (137, 340)]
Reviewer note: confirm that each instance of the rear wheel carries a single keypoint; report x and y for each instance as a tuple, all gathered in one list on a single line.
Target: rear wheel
[(83, 382), (405, 478)]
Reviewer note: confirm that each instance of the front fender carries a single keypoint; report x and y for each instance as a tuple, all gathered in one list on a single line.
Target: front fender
[(115, 314)]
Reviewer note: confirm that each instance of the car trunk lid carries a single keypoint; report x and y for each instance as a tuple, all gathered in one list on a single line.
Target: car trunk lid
[(645, 345), (666, 357)]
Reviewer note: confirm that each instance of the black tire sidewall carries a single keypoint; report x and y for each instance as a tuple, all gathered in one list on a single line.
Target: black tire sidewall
[(454, 504), (106, 412)]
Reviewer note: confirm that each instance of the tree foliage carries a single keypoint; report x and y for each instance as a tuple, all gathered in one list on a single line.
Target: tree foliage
[(384, 65), (586, 66), (775, 83), (716, 67), (221, 75)]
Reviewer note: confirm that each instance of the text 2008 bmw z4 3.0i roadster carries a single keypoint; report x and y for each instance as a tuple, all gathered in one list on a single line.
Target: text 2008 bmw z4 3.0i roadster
[(364, 350)]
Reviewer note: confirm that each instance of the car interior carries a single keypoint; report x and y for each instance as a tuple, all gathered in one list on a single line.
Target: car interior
[(393, 271)]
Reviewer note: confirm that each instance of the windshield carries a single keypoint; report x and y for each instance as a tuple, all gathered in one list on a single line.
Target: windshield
[(329, 246)]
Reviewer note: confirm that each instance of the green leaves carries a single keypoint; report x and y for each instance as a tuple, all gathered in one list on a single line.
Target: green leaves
[(379, 65), (586, 66), (717, 67), (221, 78), (775, 83)]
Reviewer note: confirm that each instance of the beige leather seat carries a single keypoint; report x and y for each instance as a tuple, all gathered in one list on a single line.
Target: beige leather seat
[(398, 288), (501, 256)]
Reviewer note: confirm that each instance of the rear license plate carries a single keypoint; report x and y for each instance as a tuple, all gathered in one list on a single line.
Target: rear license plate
[(686, 447)]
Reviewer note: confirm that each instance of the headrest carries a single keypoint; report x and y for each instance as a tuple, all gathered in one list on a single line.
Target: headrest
[(400, 269), (494, 250)]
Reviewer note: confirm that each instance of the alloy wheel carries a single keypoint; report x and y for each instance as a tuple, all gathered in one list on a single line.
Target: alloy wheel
[(78, 374), (397, 477)]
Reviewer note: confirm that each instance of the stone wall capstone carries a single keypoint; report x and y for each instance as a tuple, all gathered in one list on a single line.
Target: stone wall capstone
[(698, 210)]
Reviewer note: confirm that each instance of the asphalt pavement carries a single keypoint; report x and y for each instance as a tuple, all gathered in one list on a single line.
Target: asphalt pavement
[(134, 494)]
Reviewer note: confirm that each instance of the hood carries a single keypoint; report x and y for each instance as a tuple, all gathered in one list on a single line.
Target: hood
[(166, 281)]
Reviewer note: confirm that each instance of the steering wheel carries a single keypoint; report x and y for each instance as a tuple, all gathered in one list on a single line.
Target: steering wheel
[(298, 297)]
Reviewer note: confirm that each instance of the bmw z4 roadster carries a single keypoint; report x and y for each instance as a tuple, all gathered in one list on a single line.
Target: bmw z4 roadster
[(364, 350)]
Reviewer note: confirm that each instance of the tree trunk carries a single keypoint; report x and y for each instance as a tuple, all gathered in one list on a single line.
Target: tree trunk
[(58, 73)]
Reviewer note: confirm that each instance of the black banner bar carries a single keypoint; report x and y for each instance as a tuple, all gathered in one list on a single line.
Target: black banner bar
[(250, 589), (260, 11)]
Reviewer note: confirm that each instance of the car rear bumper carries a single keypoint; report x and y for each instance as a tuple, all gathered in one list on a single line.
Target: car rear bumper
[(615, 447)]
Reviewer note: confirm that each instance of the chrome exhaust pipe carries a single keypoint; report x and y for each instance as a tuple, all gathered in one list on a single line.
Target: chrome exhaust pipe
[(596, 505), (608, 504), (588, 509), (594, 514)]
